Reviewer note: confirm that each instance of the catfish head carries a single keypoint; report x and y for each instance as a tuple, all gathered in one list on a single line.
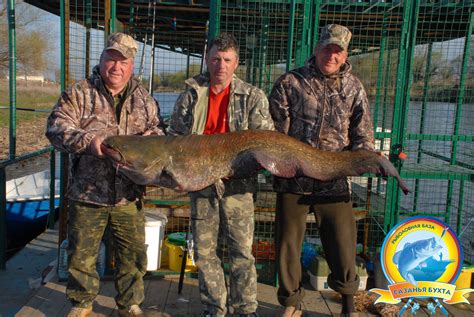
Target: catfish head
[(135, 157)]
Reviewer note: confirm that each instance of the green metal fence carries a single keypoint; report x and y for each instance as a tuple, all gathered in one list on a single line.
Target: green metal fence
[(415, 60), (414, 57)]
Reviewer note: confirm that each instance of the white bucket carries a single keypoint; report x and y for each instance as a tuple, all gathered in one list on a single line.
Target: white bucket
[(154, 234)]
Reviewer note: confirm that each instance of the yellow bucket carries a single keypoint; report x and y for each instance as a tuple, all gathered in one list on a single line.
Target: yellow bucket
[(464, 278), (175, 244)]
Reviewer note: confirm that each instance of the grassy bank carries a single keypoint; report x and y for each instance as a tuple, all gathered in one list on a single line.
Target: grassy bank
[(31, 96), (30, 126)]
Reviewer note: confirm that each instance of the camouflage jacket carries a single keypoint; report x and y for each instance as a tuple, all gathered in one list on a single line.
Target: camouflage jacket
[(329, 113), (85, 110), (248, 109)]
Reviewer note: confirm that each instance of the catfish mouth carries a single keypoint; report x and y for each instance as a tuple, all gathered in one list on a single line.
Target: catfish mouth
[(114, 154)]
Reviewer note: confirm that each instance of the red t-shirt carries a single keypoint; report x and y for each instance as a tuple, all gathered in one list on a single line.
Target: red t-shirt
[(217, 112)]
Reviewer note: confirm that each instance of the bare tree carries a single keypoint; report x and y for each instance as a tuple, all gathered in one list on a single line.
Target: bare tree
[(31, 42)]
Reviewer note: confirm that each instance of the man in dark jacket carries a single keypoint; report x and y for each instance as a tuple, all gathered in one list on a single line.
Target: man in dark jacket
[(110, 102), (324, 105)]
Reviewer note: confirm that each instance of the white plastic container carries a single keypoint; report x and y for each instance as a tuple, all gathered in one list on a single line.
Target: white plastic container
[(154, 234), (320, 283)]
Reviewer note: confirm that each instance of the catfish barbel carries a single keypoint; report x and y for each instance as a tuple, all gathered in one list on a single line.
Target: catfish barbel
[(193, 162)]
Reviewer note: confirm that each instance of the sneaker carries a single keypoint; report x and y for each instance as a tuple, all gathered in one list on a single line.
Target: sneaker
[(248, 315), (291, 311), (206, 314), (80, 312), (132, 311)]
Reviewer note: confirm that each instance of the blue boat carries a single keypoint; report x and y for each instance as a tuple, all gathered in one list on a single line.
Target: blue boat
[(27, 209)]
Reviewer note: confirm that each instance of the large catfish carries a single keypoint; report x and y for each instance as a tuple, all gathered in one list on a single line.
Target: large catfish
[(193, 162)]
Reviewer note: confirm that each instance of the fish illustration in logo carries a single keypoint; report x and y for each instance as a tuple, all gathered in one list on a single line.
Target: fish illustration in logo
[(413, 256)]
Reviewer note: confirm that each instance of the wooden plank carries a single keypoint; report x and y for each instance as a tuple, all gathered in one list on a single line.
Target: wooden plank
[(176, 304), (155, 295), (314, 304), (333, 301), (267, 300), (104, 304), (55, 301), (35, 301), (195, 306)]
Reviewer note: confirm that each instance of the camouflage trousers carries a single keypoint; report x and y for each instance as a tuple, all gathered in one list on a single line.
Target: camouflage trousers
[(87, 224), (233, 217)]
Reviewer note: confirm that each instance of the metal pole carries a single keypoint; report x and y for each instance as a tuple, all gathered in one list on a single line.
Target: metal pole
[(63, 203), (421, 129), (214, 19), (88, 24), (12, 74), (3, 219), (291, 26), (113, 15), (206, 40), (145, 42), (52, 190), (152, 58)]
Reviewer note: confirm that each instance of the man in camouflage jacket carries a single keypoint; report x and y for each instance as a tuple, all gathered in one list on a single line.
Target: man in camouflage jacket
[(324, 105), (110, 102), (242, 107)]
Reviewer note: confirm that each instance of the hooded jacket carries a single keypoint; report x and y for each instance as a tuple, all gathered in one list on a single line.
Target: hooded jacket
[(330, 113)]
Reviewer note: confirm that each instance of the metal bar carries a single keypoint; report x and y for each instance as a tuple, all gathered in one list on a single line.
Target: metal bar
[(440, 137), (454, 147), (378, 89), (449, 200), (291, 26), (52, 190), (383, 134), (391, 203), (3, 219), (413, 26), (447, 159), (26, 156), (145, 42), (106, 20), (460, 208), (12, 74), (88, 24), (263, 50), (423, 117), (187, 64), (317, 16), (113, 16), (131, 20), (462, 83), (214, 19), (152, 54), (63, 203), (302, 40)]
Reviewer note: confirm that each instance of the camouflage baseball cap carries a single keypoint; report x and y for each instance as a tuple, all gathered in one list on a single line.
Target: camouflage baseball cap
[(335, 34), (123, 43)]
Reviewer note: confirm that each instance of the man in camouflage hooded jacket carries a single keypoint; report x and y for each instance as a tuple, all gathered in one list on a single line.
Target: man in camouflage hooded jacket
[(220, 102), (324, 105), (110, 102)]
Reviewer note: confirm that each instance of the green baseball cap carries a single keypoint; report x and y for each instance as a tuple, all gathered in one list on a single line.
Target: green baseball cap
[(123, 43), (335, 34)]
